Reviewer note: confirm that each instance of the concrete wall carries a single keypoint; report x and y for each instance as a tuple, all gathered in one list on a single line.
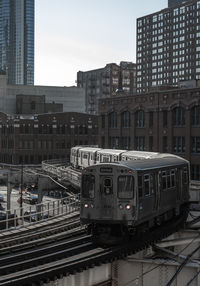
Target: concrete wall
[(72, 98), (93, 276)]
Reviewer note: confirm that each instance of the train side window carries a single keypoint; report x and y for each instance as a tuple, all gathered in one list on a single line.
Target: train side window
[(152, 184), (115, 159), (173, 180), (88, 186), (125, 187), (105, 159), (164, 180), (168, 180), (140, 186), (147, 185)]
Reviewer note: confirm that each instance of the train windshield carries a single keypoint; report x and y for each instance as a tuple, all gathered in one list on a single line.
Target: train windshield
[(88, 186), (125, 187), (106, 185)]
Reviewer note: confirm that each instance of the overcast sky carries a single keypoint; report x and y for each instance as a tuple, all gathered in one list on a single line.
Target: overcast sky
[(73, 35)]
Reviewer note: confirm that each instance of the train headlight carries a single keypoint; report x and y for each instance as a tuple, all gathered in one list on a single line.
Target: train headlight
[(86, 206), (128, 207), (120, 207)]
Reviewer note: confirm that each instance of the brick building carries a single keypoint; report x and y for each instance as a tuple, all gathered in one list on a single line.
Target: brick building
[(30, 139), (164, 121), (104, 82)]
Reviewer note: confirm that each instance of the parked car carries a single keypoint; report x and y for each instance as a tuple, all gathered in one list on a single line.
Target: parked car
[(30, 200), (32, 216)]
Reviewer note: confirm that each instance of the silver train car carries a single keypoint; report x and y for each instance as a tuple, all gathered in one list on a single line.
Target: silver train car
[(119, 198), (82, 157)]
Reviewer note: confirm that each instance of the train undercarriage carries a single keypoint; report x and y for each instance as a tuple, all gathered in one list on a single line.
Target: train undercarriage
[(112, 234)]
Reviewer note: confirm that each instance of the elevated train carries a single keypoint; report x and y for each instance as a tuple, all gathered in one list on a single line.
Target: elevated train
[(82, 157), (119, 199)]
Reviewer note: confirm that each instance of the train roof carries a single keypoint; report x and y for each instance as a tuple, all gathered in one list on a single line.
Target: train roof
[(141, 154), (89, 149), (154, 163), (146, 155), (111, 151), (144, 164)]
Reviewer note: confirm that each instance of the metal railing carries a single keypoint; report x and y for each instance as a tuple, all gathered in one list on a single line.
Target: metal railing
[(61, 169), (38, 213)]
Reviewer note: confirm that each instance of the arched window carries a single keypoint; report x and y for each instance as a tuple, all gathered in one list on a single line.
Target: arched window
[(179, 116), (126, 119), (113, 120), (140, 118), (195, 116)]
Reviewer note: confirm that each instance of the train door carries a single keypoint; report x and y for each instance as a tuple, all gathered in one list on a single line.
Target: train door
[(106, 197), (179, 184), (147, 194)]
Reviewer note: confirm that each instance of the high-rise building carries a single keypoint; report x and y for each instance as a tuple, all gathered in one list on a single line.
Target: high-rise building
[(17, 40), (168, 46), (106, 82), (172, 3)]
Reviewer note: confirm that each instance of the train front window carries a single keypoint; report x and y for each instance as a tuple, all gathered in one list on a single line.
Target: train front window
[(88, 186), (106, 185), (125, 187)]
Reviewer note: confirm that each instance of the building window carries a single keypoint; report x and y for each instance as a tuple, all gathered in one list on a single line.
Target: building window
[(165, 118), (103, 121), (151, 119), (33, 105), (150, 143), (179, 116), (112, 120), (195, 172), (165, 144), (195, 147), (195, 116), (140, 119), (125, 142), (139, 143), (126, 120), (114, 142), (179, 144)]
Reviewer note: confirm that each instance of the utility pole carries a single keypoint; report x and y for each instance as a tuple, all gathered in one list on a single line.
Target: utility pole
[(21, 187), (9, 189)]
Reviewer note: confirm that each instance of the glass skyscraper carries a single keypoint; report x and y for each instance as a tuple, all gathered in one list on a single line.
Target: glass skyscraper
[(17, 40)]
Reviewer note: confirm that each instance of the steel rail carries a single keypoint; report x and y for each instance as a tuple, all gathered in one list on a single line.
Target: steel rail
[(84, 260)]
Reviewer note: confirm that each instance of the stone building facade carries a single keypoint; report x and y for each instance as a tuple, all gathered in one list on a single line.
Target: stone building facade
[(164, 121), (30, 139)]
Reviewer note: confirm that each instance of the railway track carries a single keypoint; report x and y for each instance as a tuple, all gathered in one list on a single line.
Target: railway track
[(70, 255), (44, 231)]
